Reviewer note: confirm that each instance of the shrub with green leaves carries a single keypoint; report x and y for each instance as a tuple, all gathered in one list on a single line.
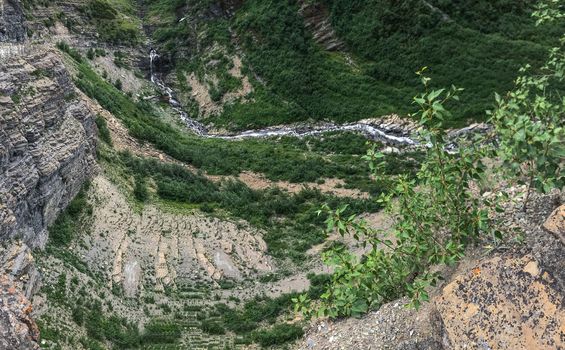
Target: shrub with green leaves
[(103, 131), (530, 120), (435, 218)]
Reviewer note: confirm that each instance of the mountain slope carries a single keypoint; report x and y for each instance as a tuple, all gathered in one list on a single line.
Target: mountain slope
[(476, 46)]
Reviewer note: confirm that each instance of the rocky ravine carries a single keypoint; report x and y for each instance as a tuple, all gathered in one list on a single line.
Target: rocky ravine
[(47, 144)]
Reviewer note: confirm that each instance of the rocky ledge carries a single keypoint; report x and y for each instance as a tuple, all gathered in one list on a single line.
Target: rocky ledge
[(12, 28)]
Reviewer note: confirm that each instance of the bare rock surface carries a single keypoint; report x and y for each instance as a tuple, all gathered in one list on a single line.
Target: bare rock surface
[(47, 144), (503, 303), (17, 329), (12, 28), (156, 248), (393, 326), (17, 262), (555, 223)]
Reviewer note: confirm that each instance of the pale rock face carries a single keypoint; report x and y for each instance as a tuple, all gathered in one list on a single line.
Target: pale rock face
[(503, 303), (47, 145)]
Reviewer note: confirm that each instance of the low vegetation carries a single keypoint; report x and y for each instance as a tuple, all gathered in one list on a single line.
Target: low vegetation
[(285, 160)]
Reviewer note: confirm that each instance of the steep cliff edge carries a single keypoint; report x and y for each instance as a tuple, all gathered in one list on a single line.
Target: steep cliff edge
[(47, 144)]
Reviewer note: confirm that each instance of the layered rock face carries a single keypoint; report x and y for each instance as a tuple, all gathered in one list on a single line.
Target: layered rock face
[(12, 27), (47, 145), (316, 19)]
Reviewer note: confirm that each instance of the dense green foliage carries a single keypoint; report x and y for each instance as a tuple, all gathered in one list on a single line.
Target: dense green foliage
[(479, 44), (530, 123), (115, 20)]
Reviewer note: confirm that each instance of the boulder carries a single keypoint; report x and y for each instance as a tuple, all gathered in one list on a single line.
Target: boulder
[(555, 223)]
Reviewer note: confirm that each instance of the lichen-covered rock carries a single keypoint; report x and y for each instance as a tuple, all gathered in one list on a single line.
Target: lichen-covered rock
[(503, 303), (17, 329), (555, 223), (47, 144), (17, 262)]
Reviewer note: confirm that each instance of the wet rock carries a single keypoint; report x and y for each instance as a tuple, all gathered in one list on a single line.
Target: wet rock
[(503, 303), (555, 223)]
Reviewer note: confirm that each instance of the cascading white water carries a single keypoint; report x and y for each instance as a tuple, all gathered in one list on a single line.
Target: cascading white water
[(192, 124), (370, 131)]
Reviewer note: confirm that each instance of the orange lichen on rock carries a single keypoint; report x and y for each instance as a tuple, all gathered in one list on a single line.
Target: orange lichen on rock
[(511, 304), (17, 329)]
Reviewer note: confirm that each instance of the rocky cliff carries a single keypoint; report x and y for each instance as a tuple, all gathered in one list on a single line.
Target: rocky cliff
[(47, 144), (12, 27)]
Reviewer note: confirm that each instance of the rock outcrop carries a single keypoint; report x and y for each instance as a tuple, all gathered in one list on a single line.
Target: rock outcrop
[(17, 329), (12, 28), (503, 303), (317, 20), (555, 223), (47, 144), (17, 262)]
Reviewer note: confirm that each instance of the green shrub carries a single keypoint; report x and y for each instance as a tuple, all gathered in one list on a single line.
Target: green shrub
[(103, 130), (278, 335), (65, 228)]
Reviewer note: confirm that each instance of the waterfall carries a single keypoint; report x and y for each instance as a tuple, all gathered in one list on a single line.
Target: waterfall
[(192, 124), (152, 56)]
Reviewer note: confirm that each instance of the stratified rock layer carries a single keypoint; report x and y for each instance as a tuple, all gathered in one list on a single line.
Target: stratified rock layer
[(47, 144), (504, 303), (12, 27)]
